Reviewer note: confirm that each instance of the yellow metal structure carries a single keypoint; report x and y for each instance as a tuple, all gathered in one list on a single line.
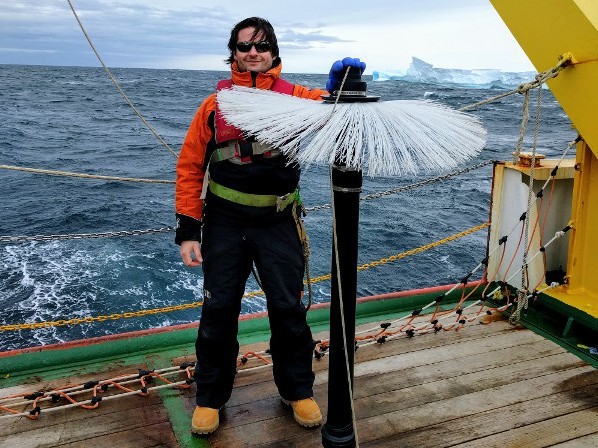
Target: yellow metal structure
[(546, 30), (581, 291)]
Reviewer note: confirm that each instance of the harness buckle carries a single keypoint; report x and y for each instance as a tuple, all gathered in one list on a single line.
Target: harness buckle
[(283, 201)]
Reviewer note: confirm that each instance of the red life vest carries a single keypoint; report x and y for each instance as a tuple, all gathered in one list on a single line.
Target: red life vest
[(226, 131)]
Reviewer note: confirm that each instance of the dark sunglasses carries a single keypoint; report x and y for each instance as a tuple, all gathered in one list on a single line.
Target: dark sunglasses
[(261, 47)]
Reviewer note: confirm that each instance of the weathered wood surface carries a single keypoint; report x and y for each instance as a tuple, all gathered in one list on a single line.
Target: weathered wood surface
[(484, 386), (487, 385), (133, 421)]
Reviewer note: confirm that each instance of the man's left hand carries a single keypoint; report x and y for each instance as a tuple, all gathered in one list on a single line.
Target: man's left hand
[(337, 72)]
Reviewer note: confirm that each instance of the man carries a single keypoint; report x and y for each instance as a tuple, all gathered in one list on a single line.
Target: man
[(247, 217)]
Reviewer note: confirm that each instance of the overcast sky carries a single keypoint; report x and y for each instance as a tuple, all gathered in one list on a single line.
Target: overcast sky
[(192, 34)]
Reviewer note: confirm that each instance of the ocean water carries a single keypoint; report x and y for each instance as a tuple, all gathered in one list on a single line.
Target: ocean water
[(73, 119)]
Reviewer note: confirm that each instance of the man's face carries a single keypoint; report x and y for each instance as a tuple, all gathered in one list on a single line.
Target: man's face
[(252, 60)]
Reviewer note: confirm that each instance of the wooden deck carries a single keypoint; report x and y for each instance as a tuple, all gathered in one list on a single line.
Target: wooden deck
[(484, 386)]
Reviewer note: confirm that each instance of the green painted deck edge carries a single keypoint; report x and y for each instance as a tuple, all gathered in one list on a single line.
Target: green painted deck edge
[(578, 315), (552, 318), (180, 420), (571, 347), (157, 350), (146, 349)]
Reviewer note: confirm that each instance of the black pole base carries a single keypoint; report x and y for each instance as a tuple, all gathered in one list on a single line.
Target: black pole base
[(335, 437)]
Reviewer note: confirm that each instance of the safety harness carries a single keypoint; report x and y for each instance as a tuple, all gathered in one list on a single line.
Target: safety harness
[(242, 153), (233, 147), (254, 200)]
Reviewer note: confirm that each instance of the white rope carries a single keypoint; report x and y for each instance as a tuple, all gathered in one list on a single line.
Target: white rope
[(83, 175), (78, 390), (104, 398), (522, 299)]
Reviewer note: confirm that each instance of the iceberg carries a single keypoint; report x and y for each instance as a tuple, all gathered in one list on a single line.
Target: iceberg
[(423, 72)]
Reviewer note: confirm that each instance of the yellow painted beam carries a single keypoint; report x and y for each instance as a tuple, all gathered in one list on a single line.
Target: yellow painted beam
[(581, 290), (546, 29)]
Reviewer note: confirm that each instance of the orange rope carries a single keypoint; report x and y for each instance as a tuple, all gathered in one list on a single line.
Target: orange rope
[(71, 399), (100, 387), (252, 355), (514, 253), (535, 227), (504, 248)]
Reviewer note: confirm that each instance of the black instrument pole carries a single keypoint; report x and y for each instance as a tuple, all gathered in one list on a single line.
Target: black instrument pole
[(338, 431)]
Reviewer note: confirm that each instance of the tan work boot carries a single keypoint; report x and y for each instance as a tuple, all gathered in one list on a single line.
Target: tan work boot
[(306, 411), (205, 420)]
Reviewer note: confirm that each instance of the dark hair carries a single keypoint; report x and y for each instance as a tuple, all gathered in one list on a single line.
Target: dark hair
[(260, 25)]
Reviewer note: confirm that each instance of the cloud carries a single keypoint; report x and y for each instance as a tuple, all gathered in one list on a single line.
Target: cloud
[(291, 38), (125, 34), (193, 34)]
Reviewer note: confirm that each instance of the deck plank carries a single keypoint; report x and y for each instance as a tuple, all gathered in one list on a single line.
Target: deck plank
[(450, 429), (407, 370), (142, 418), (589, 441), (443, 383), (551, 432), (156, 435), (487, 385), (415, 384), (392, 425)]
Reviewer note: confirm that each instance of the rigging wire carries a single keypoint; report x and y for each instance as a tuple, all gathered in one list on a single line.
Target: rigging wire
[(83, 175), (522, 302), (124, 95), (6, 239)]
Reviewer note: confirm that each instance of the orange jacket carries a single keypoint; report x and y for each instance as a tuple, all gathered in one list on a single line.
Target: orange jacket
[(190, 166)]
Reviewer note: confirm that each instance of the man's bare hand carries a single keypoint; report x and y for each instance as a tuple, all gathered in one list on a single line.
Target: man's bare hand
[(191, 254)]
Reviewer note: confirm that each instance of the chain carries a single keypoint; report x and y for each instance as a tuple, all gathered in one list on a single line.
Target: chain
[(382, 261), (249, 294), (541, 78), (369, 197), (80, 236), (422, 183), (422, 248), (101, 318)]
